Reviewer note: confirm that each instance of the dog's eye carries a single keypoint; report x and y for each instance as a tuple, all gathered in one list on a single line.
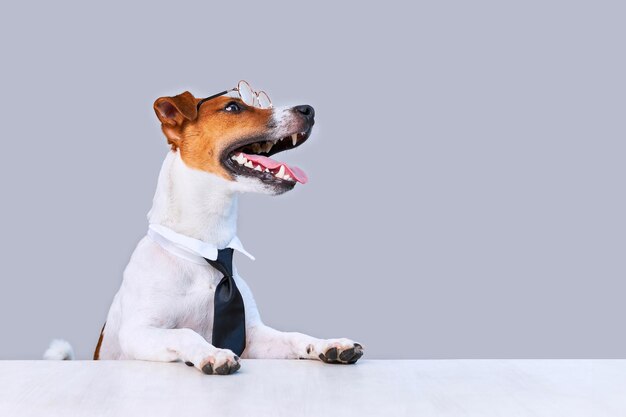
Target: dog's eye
[(232, 107)]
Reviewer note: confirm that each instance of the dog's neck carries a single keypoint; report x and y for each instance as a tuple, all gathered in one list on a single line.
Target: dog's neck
[(194, 203)]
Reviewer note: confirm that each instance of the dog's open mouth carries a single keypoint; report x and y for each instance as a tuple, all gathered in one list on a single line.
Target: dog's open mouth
[(253, 159)]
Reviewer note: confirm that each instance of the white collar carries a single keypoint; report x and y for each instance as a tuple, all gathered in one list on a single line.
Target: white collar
[(186, 247)]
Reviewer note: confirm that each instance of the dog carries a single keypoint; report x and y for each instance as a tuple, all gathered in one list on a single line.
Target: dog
[(163, 310)]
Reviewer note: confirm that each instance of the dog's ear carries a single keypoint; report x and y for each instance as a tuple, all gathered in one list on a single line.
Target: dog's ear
[(173, 111)]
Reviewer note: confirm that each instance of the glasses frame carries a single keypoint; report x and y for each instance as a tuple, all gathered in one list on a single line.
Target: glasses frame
[(255, 96)]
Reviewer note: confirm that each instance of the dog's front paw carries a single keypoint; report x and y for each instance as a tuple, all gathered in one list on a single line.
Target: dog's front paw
[(341, 351), (220, 362)]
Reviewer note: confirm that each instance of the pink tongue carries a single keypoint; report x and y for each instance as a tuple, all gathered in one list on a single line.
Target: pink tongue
[(269, 163)]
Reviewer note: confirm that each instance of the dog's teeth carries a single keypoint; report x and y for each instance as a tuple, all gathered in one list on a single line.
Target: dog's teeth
[(266, 170), (294, 139), (268, 146), (281, 172), (248, 164), (287, 177), (258, 168)]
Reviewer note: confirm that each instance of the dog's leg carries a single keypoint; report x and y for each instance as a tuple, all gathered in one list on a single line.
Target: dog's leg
[(263, 342), (267, 343), (168, 345)]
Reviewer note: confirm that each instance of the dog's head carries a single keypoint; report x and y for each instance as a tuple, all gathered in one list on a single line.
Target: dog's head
[(227, 138)]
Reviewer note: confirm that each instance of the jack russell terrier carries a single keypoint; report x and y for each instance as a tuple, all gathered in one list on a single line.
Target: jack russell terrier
[(180, 298)]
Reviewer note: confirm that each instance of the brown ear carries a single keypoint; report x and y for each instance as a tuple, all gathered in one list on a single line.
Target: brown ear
[(173, 111)]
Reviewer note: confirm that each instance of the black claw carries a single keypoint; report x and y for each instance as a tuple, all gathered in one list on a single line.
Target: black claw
[(322, 357), (189, 363), (208, 369), (346, 355), (227, 369), (331, 354), (356, 357), (223, 370), (358, 352)]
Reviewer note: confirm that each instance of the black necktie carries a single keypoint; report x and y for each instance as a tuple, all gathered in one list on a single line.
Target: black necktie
[(229, 320)]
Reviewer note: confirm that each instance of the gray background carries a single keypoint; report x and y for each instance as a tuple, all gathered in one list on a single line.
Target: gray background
[(467, 168)]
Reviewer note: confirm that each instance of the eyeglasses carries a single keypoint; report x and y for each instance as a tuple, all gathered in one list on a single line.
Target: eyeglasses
[(252, 98)]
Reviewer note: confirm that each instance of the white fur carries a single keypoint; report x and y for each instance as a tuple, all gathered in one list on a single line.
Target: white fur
[(59, 350), (284, 122), (163, 310)]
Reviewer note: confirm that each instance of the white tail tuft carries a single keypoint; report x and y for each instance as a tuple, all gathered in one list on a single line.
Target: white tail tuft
[(59, 350)]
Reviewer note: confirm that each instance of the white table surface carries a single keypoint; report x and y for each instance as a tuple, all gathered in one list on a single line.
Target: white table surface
[(503, 388)]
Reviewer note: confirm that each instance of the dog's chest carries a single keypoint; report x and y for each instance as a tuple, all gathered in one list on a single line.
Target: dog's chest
[(194, 302)]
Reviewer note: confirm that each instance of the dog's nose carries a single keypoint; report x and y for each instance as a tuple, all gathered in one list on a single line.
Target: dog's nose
[(305, 110)]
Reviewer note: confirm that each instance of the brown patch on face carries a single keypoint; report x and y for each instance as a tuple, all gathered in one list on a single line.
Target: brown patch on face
[(202, 137)]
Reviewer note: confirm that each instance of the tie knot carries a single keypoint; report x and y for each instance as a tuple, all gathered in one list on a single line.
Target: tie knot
[(224, 261)]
